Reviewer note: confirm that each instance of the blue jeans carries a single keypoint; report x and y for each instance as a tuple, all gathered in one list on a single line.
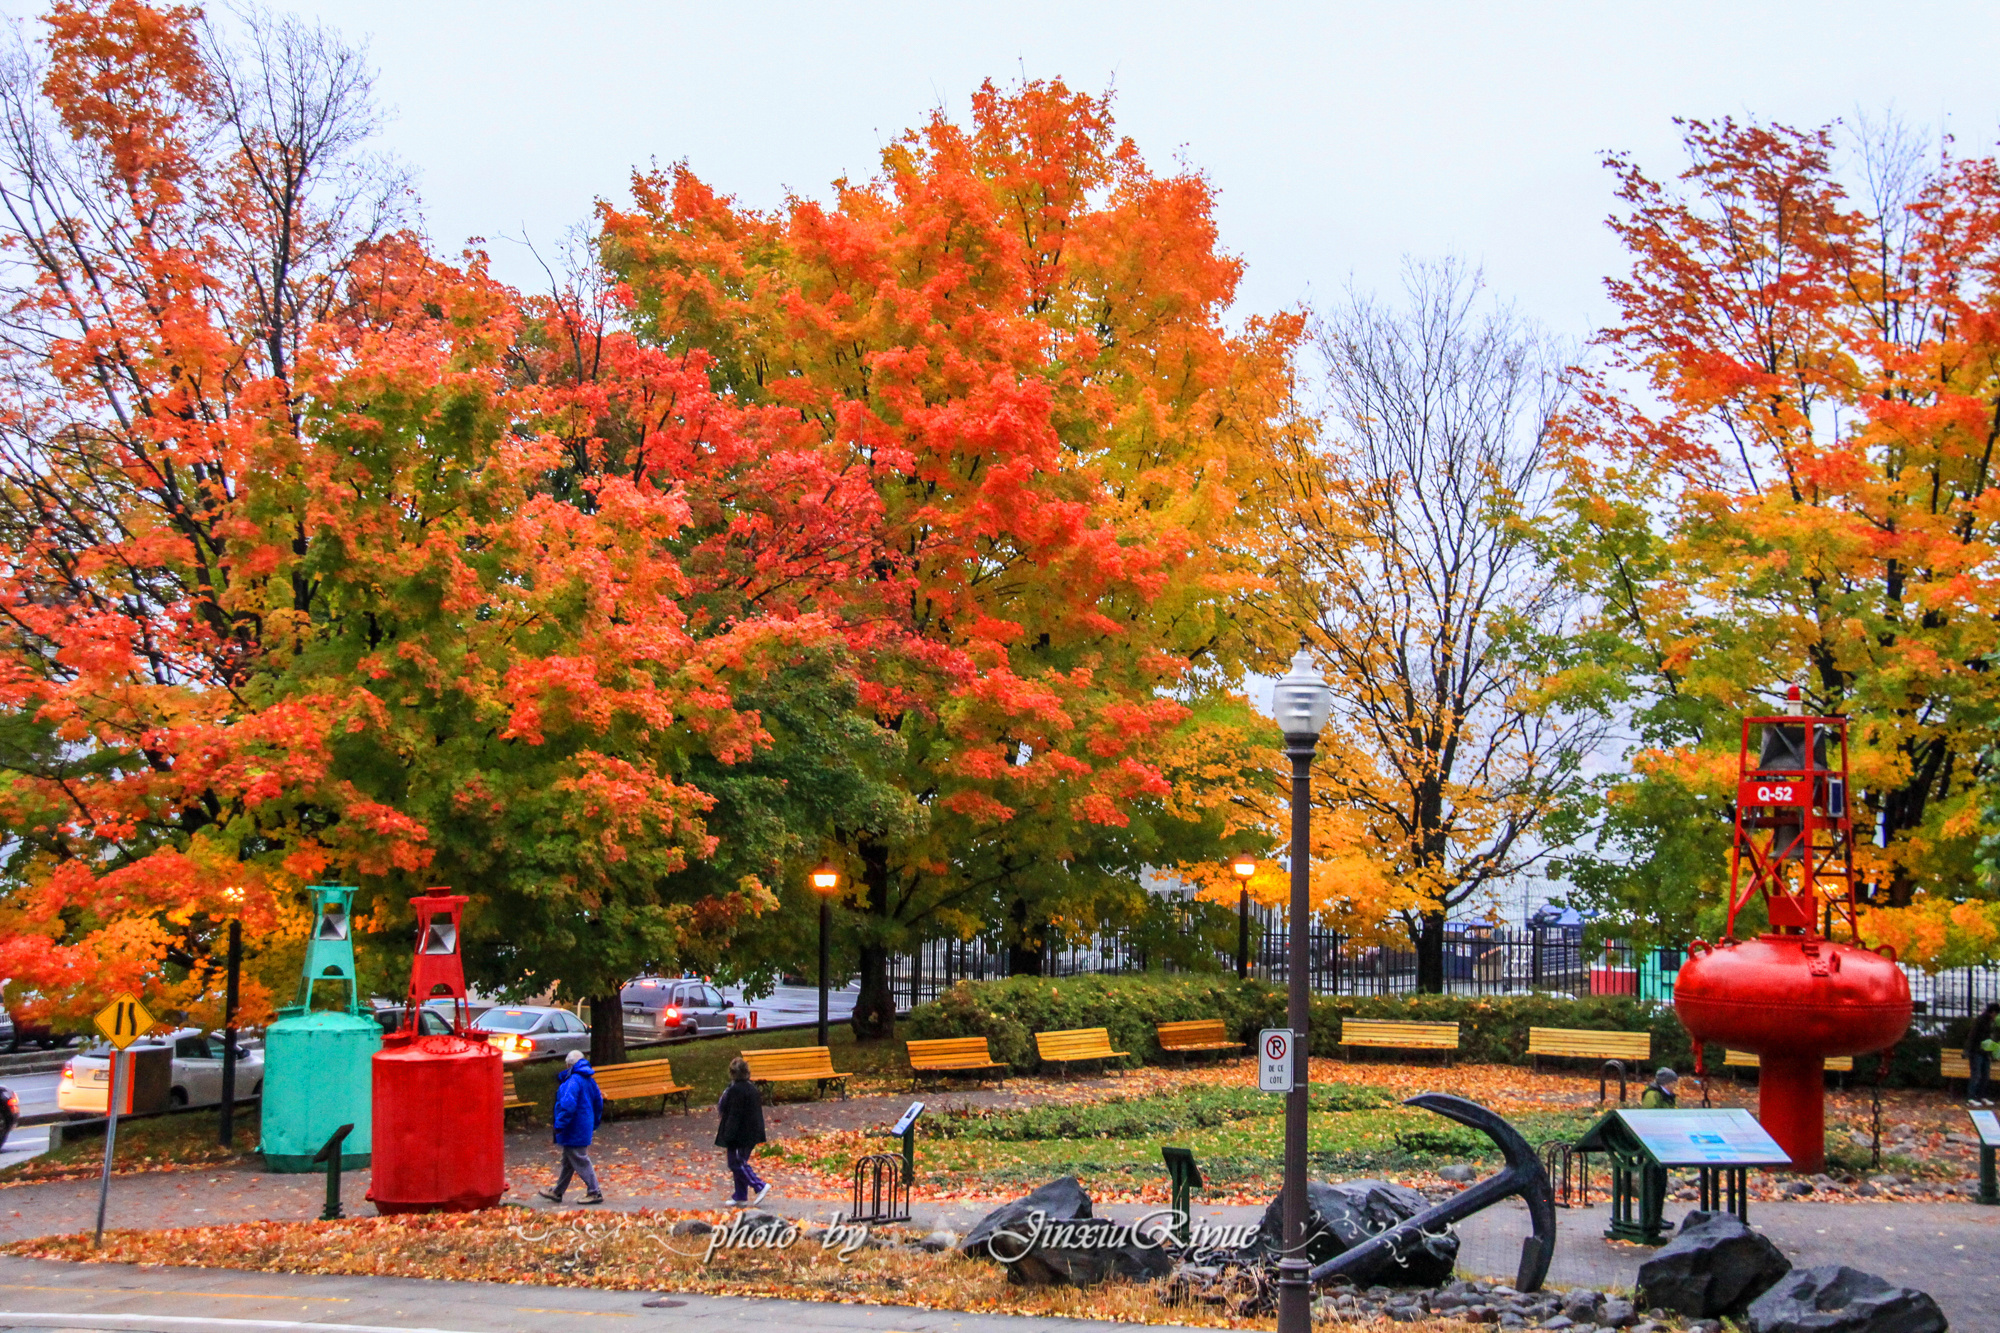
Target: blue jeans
[(747, 1180), (576, 1161), (1982, 1069)]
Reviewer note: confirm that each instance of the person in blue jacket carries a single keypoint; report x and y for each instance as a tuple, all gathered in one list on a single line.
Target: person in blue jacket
[(579, 1110)]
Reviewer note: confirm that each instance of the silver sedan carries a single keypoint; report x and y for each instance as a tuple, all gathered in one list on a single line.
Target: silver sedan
[(525, 1030)]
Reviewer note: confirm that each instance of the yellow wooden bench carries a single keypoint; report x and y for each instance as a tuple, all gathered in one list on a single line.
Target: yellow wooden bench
[(1199, 1034), (1835, 1064), (642, 1079), (1398, 1034), (944, 1056), (1066, 1047), (1953, 1064), (1586, 1044), (795, 1064), (510, 1096)]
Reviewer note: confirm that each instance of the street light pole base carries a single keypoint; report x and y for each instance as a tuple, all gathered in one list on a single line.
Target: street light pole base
[(1295, 1296)]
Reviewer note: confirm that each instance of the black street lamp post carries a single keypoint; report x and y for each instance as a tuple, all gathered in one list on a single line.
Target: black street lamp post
[(826, 883), (1243, 867), (1303, 703)]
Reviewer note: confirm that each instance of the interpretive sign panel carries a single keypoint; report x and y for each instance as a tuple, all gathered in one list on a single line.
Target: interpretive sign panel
[(1988, 1125), (1723, 1136)]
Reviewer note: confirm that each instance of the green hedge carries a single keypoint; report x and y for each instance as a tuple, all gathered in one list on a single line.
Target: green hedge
[(1492, 1029)]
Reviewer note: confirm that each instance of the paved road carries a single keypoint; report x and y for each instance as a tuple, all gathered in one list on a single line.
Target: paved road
[(36, 1091), (64, 1296)]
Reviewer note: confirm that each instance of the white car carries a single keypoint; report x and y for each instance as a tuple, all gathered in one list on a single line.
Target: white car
[(197, 1071)]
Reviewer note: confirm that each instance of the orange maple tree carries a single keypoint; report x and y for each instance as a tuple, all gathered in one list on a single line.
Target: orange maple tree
[(285, 589), (1798, 488), (1002, 364)]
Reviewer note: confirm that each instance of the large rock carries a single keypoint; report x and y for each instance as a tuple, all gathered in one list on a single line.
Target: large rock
[(1716, 1266), (1834, 1298), (1082, 1252), (1061, 1200), (1340, 1216)]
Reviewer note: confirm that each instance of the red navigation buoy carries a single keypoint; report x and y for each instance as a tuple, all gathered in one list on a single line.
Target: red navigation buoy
[(438, 1101), (1793, 995)]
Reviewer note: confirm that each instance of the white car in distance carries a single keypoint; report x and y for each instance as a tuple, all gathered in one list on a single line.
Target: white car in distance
[(197, 1071)]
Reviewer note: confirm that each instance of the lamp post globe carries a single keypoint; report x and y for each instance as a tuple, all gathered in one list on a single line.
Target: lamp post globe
[(1303, 702), (1243, 866), (826, 882)]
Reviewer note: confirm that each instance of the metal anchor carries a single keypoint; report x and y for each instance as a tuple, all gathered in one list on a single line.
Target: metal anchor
[(1523, 1176)]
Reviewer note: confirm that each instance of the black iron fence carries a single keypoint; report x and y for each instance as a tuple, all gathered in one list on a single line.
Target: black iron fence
[(1479, 959)]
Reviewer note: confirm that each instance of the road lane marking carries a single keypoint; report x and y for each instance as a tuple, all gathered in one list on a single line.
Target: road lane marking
[(141, 1291), (43, 1319)]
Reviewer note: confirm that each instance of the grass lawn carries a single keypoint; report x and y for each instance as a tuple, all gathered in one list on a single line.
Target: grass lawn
[(151, 1144)]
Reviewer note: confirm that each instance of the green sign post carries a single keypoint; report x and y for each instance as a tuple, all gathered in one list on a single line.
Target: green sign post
[(1185, 1178)]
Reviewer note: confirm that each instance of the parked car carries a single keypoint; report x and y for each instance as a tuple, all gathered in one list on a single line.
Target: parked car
[(10, 1113), (431, 1022), (18, 1030), (675, 1007), (196, 1065), (523, 1030)]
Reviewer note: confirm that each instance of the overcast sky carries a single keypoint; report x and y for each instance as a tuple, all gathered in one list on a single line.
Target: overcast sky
[(1341, 135)]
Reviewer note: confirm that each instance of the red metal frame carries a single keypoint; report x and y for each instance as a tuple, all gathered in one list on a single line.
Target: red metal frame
[(438, 970), (1797, 806)]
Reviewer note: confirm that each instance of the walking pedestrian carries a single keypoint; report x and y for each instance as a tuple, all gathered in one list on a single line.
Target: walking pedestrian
[(739, 1129), (1980, 1044), (1659, 1094), (579, 1111)]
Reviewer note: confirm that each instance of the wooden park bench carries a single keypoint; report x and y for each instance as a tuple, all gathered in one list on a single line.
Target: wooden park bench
[(795, 1064), (1065, 1048), (1835, 1064), (642, 1079), (510, 1096), (1953, 1064), (945, 1056), (1199, 1034), (1617, 1050), (1396, 1034), (1586, 1044)]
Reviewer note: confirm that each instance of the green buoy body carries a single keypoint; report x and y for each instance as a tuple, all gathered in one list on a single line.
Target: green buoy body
[(318, 1071), (319, 1063)]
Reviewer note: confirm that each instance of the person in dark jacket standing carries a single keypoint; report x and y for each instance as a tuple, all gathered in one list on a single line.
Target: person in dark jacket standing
[(1978, 1058), (579, 1110), (738, 1131)]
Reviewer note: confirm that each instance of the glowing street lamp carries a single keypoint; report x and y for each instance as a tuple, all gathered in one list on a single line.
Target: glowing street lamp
[(1303, 703), (1243, 867), (826, 883)]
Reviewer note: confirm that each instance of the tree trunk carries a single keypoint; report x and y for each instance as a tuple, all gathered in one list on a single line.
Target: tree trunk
[(1027, 951), (1430, 953), (875, 1007), (607, 1030), (1025, 960)]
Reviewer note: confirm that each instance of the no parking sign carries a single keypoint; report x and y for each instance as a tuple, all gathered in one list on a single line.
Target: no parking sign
[(1274, 1060)]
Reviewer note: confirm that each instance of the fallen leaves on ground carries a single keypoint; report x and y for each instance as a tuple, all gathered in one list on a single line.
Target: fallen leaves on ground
[(630, 1252)]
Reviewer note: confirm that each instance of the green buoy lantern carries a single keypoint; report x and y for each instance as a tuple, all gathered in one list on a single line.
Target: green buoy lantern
[(319, 1063)]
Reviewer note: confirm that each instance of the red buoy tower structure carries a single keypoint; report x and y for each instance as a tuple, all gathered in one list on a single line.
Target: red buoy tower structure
[(438, 1100), (1793, 995)]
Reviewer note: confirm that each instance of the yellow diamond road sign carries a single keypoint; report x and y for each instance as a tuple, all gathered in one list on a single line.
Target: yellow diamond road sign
[(124, 1021)]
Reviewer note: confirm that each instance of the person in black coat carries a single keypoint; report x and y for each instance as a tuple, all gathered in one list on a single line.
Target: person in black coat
[(739, 1129)]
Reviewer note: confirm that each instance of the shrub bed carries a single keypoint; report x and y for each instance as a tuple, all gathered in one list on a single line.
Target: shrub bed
[(1492, 1029)]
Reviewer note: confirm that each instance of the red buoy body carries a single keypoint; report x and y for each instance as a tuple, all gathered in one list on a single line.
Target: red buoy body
[(1793, 1000), (438, 1112)]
